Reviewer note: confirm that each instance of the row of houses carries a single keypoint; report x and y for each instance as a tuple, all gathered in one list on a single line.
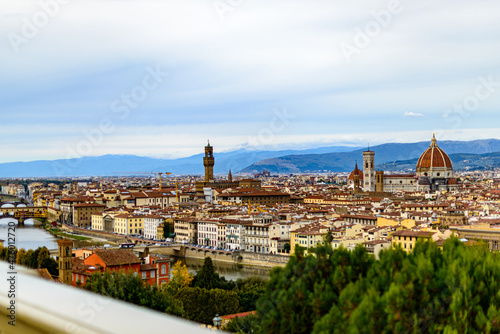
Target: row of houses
[(255, 234)]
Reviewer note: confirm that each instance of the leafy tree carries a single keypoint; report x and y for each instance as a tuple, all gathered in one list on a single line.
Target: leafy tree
[(168, 229), (32, 261), (4, 253), (286, 247), (27, 260), (207, 278), (243, 325), (43, 256), (249, 290), (20, 256), (202, 305), (181, 278), (453, 290), (328, 237), (131, 289)]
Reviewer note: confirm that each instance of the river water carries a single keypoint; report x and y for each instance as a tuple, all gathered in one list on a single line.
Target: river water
[(28, 236), (227, 270)]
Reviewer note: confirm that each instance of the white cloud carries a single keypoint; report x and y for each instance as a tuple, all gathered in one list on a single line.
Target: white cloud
[(412, 114), (283, 52)]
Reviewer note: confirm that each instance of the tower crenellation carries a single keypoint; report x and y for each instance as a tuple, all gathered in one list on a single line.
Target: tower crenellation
[(209, 162)]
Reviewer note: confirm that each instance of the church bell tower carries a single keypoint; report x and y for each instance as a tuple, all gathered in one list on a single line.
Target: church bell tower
[(208, 162), (65, 260), (369, 171)]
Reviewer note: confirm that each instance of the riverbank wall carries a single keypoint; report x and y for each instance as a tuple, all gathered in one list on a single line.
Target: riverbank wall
[(242, 258), (112, 238)]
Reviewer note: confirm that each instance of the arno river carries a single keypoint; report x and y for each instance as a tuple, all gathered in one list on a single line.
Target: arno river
[(27, 236), (32, 237)]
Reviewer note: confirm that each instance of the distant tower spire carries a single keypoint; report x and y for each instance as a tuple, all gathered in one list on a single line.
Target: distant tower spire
[(230, 176), (209, 162), (356, 179)]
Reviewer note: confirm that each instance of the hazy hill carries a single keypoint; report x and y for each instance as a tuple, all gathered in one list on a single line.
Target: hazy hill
[(460, 161), (107, 165), (385, 153), (331, 159)]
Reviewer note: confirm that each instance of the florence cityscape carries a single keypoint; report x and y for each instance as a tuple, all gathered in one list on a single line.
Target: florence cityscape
[(249, 167)]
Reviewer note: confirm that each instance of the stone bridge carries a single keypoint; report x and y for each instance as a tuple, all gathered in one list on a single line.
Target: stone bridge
[(22, 212)]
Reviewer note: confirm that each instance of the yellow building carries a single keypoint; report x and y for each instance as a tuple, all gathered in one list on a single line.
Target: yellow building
[(480, 233), (407, 239), (159, 233), (352, 231), (129, 224), (314, 200), (53, 214), (82, 213), (406, 223), (307, 236), (97, 221), (186, 230)]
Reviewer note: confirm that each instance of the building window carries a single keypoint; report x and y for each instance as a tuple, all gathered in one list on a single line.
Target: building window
[(143, 275)]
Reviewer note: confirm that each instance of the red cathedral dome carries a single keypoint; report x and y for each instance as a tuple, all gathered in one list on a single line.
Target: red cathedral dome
[(356, 171), (434, 157)]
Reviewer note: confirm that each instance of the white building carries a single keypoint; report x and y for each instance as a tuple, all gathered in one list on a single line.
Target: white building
[(257, 238), (207, 233), (151, 223), (235, 234), (279, 235)]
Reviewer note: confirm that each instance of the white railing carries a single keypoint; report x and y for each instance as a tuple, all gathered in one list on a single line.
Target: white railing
[(41, 306)]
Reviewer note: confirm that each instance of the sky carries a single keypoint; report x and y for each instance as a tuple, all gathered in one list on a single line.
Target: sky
[(160, 77)]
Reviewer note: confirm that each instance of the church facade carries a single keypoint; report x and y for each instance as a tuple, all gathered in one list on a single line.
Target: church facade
[(434, 172)]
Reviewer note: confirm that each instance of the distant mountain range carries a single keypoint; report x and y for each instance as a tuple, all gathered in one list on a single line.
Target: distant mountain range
[(477, 154), (387, 157), (460, 161), (112, 165)]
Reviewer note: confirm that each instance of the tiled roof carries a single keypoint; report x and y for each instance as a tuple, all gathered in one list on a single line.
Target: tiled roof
[(118, 257)]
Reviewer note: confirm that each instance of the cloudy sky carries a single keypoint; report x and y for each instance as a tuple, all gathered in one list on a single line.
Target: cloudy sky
[(159, 77)]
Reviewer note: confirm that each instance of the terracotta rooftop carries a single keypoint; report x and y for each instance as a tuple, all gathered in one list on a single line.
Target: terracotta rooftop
[(118, 257)]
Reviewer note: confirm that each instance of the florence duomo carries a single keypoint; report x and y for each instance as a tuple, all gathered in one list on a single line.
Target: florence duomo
[(434, 172)]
